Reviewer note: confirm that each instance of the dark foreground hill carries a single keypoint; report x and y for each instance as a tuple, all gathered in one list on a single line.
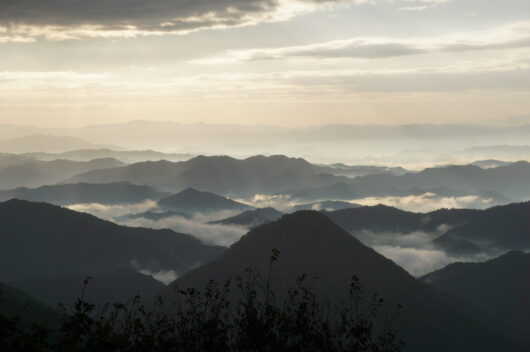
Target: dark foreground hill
[(311, 243), (500, 286), (39, 239), (17, 303)]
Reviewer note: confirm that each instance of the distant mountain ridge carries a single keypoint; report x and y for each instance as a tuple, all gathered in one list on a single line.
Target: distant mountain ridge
[(512, 180), (218, 174), (502, 184), (102, 193), (128, 156), (193, 201), (252, 218), (44, 143), (35, 173)]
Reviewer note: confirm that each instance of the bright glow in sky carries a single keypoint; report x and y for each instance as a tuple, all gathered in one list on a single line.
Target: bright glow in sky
[(279, 62)]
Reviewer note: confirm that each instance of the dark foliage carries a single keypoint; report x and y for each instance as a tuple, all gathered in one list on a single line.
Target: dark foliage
[(211, 320)]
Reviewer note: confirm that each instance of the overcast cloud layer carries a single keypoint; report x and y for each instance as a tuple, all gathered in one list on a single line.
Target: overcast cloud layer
[(276, 62)]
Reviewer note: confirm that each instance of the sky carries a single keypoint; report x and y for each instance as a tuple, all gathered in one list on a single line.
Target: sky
[(67, 63)]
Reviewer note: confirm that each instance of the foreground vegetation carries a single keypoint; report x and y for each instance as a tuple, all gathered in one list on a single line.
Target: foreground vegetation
[(240, 315)]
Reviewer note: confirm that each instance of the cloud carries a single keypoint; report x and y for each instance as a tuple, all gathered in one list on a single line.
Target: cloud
[(214, 216), (164, 276), (198, 226), (216, 234), (428, 202), (281, 202), (52, 76), (112, 211), (75, 19), (414, 251), (416, 261), (512, 36)]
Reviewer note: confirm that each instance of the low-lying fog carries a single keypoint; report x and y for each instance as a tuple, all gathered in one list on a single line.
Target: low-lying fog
[(413, 251)]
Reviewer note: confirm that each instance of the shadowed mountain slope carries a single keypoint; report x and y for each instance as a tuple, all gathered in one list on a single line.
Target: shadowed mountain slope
[(17, 303), (311, 243), (500, 286), (39, 239)]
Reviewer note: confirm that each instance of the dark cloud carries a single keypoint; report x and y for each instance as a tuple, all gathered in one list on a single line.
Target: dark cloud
[(152, 15)]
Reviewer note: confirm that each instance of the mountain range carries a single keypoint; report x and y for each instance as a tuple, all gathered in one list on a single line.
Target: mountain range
[(101, 193), (511, 180), (304, 181), (127, 156), (252, 218), (44, 143), (35, 173), (449, 181), (218, 174)]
